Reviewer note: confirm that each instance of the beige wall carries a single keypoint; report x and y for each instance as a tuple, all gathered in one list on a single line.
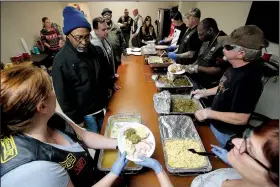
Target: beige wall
[(145, 8), (23, 20), (185, 6), (229, 16), (84, 7)]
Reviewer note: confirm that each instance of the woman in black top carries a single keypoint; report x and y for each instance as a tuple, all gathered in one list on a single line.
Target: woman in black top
[(147, 31)]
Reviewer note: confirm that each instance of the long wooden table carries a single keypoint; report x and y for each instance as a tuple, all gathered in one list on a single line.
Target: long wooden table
[(136, 95)]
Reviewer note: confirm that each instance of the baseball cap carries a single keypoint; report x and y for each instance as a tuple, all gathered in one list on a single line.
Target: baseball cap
[(195, 12), (248, 36), (105, 10)]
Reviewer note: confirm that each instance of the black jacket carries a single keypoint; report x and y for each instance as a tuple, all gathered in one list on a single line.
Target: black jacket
[(81, 81)]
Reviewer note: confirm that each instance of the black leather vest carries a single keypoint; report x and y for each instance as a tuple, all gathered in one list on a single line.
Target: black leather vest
[(182, 47), (20, 149)]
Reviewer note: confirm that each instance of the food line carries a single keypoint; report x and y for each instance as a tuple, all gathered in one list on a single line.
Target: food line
[(136, 96)]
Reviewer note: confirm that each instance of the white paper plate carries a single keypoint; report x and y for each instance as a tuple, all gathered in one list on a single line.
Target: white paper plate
[(136, 49), (178, 72), (122, 144)]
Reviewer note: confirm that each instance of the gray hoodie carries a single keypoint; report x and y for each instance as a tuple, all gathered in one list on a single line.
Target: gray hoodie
[(106, 47)]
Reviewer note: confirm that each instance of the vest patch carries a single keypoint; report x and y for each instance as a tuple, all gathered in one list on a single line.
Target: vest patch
[(9, 149), (79, 166), (69, 162)]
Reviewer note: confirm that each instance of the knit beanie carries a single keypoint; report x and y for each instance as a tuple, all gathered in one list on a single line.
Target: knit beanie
[(74, 19)]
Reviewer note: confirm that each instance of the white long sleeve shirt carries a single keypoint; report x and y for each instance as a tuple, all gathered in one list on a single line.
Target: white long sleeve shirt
[(139, 24)]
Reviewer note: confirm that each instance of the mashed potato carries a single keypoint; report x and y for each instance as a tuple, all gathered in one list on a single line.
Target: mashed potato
[(142, 132)]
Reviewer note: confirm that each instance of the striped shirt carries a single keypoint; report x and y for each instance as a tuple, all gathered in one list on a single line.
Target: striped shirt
[(51, 37)]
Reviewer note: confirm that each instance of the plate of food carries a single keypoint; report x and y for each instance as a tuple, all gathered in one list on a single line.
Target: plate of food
[(137, 140), (176, 69), (161, 47), (136, 49)]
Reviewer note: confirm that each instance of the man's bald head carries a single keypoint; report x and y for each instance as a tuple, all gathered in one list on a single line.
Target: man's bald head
[(135, 12)]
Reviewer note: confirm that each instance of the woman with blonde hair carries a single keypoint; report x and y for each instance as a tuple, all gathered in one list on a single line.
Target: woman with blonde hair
[(147, 31), (39, 148)]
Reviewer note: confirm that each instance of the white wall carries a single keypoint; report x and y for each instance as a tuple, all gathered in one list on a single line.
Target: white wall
[(145, 8), (24, 20)]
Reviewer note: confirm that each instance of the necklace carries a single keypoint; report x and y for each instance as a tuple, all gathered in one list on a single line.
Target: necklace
[(214, 39), (47, 137), (209, 46)]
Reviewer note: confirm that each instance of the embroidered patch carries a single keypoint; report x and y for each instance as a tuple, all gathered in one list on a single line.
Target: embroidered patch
[(9, 149), (79, 166), (69, 162), (213, 48)]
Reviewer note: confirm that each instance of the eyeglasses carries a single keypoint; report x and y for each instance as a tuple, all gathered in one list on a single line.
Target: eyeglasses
[(229, 47), (80, 38), (243, 149)]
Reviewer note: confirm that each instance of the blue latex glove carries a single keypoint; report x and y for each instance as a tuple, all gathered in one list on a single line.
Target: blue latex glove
[(172, 55), (171, 48), (161, 42), (119, 164), (220, 152), (150, 163)]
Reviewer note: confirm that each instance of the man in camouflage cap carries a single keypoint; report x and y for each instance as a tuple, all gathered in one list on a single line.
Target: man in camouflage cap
[(240, 87)]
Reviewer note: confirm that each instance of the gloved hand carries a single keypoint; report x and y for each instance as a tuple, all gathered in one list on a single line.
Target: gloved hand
[(220, 152), (161, 42), (192, 69), (119, 164), (203, 114), (171, 48), (197, 94), (172, 55), (150, 163)]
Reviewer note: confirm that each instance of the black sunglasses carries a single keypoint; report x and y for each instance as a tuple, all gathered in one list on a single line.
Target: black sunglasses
[(229, 47)]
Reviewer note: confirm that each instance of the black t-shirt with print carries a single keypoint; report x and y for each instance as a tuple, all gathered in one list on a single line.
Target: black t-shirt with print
[(239, 91), (182, 28)]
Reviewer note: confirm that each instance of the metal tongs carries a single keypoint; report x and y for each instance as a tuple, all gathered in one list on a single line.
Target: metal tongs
[(201, 153)]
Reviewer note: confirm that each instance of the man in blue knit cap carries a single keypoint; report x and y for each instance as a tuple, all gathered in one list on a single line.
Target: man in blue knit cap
[(81, 79)]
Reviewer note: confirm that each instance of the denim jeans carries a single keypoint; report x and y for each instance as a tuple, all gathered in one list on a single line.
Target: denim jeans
[(94, 123), (221, 137)]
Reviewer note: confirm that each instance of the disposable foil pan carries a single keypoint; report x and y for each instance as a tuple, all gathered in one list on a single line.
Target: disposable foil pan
[(161, 64), (176, 127), (197, 102), (162, 103), (112, 120), (161, 85)]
